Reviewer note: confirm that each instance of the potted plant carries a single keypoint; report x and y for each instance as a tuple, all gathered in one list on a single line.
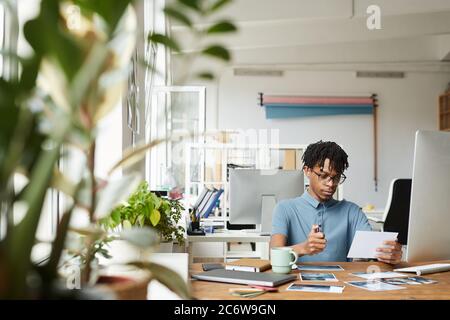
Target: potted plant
[(72, 78), (145, 208), (63, 89)]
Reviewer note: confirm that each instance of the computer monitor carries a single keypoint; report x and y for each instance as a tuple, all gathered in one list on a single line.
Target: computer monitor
[(429, 220), (254, 194)]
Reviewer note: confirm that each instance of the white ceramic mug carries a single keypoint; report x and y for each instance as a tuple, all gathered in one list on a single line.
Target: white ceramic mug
[(282, 259)]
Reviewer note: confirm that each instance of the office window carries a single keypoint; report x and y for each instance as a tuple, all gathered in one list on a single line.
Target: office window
[(176, 111)]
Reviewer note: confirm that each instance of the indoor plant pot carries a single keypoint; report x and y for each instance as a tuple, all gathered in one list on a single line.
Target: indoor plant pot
[(124, 288)]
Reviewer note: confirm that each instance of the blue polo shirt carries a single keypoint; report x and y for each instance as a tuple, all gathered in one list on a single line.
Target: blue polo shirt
[(339, 219)]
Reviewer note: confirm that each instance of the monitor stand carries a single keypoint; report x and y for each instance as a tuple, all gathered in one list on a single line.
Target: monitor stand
[(268, 203)]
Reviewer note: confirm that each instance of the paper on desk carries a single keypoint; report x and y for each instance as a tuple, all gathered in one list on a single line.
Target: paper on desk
[(365, 243)]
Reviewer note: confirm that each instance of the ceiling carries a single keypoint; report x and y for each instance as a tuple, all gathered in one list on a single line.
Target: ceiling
[(332, 34)]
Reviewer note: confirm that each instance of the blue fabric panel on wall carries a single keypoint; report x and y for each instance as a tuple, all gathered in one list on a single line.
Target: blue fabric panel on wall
[(280, 112), (318, 105)]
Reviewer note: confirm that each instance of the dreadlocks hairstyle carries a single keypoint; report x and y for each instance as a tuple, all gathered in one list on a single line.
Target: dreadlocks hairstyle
[(316, 153)]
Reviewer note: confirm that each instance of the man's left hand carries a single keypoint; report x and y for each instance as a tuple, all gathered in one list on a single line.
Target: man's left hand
[(391, 253)]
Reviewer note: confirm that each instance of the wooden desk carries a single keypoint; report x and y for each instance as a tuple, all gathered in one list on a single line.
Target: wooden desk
[(438, 291)]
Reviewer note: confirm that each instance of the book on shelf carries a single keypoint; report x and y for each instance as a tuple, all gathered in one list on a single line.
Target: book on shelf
[(289, 160), (251, 265), (200, 198), (212, 202), (207, 201)]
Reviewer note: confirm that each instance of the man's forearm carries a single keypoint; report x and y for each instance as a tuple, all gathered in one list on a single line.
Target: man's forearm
[(280, 241), (299, 248)]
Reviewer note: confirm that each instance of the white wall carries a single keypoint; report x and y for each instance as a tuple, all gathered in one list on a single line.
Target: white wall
[(320, 48), (405, 105)]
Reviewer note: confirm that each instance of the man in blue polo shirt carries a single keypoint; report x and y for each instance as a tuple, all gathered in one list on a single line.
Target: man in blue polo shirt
[(316, 226)]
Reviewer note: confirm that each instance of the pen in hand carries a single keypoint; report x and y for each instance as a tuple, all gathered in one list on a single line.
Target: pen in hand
[(319, 229)]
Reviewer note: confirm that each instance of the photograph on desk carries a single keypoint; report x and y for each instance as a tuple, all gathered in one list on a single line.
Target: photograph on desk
[(374, 285), (317, 277), (408, 280), (315, 288), (378, 275)]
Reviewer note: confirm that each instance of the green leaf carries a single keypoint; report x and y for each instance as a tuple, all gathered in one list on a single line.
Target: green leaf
[(193, 4), (177, 15), (115, 216), (149, 206), (157, 201), (127, 224), (221, 27), (217, 5), (22, 237), (134, 155), (51, 268), (165, 41), (63, 183), (142, 237), (56, 43), (30, 73), (141, 221), (91, 230), (88, 74), (206, 75), (155, 216), (217, 51), (110, 11), (169, 278)]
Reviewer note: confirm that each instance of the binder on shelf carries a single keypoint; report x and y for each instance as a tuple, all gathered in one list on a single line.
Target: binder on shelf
[(212, 202), (204, 202), (200, 199)]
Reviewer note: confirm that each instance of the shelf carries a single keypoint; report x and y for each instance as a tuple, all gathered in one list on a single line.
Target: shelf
[(232, 146), (208, 182), (215, 218), (255, 156)]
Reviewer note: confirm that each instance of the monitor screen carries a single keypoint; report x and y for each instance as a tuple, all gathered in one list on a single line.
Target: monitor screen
[(250, 188)]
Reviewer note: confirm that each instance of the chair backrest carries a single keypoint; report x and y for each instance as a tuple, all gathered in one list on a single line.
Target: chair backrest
[(397, 215)]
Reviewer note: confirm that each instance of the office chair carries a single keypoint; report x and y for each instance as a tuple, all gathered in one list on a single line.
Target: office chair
[(396, 213)]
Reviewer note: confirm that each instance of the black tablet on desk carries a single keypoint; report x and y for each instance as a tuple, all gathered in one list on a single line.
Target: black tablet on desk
[(268, 279)]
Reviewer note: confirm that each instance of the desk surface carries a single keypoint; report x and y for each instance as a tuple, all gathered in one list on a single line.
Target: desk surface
[(437, 291)]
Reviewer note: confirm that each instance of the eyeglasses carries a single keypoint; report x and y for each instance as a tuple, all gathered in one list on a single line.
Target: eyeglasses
[(325, 178)]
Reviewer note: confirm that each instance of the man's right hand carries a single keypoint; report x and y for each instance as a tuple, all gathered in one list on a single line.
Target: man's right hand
[(315, 243)]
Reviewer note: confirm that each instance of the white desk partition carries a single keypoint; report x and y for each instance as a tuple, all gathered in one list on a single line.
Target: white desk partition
[(230, 236)]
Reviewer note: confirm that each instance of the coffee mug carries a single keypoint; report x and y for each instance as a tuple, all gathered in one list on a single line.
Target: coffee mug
[(282, 259)]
